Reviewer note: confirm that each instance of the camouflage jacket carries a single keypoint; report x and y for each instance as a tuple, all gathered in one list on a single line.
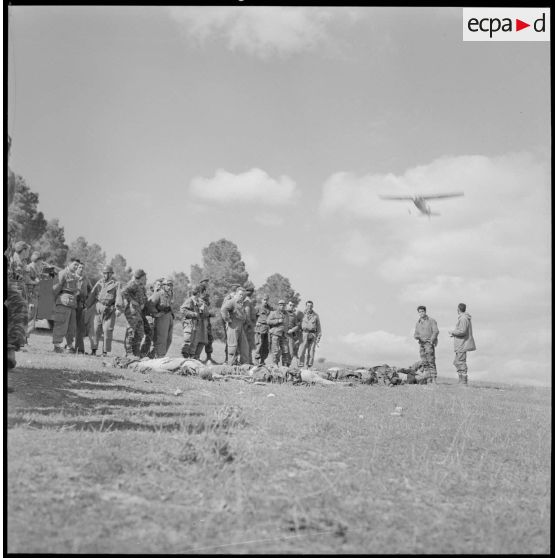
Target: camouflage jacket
[(133, 294)]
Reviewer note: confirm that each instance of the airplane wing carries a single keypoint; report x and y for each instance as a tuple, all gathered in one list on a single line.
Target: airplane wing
[(439, 196), (397, 197)]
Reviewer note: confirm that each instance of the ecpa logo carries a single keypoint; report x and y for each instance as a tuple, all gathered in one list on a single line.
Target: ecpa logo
[(506, 24)]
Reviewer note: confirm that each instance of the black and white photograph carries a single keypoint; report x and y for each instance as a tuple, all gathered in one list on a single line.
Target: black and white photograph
[(278, 279)]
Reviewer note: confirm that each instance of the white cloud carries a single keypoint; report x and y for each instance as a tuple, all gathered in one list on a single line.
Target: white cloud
[(261, 31), (490, 249), (253, 186)]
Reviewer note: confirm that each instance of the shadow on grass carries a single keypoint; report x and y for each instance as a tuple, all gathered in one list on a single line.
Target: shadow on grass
[(55, 395)]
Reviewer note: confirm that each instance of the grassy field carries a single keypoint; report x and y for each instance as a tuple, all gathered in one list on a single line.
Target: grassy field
[(106, 460)]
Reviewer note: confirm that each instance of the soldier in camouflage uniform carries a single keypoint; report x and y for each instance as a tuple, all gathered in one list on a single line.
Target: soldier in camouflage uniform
[(232, 312), (195, 313), (149, 322), (426, 333), (159, 306), (15, 303), (262, 330), (311, 335), (18, 276), (207, 300), (103, 296), (65, 291), (278, 322), (132, 301)]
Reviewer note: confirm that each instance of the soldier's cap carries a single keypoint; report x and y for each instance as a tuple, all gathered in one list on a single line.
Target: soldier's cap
[(234, 286), (249, 289), (35, 256), (167, 281), (204, 281), (20, 245), (139, 273), (281, 302), (108, 269)]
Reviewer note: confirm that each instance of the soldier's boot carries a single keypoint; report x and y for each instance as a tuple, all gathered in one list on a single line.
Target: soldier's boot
[(94, 352), (464, 379), (185, 351)]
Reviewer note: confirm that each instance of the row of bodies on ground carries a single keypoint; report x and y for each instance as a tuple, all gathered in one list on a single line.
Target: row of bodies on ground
[(265, 373)]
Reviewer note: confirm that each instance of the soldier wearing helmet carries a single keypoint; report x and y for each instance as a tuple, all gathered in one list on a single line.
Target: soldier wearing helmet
[(159, 306), (103, 296)]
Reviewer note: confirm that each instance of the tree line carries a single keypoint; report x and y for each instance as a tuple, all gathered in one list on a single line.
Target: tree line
[(221, 261)]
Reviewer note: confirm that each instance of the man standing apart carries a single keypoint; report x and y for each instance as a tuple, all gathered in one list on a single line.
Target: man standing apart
[(311, 335), (65, 292), (462, 341), (232, 312), (262, 330), (159, 306), (278, 322), (293, 330), (104, 295), (132, 301), (426, 333)]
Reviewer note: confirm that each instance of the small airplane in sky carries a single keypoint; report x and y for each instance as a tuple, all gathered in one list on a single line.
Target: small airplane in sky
[(420, 201)]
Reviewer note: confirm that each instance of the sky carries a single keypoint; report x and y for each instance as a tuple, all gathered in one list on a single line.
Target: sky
[(153, 131)]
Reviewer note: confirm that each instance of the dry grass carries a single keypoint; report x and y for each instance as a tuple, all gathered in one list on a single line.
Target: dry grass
[(103, 460)]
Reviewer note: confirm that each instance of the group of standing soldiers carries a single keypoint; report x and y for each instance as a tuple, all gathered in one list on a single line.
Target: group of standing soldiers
[(261, 329), (252, 331)]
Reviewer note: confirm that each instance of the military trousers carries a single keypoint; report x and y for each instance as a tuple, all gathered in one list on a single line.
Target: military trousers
[(237, 345), (280, 350), (148, 335), (163, 334), (32, 309), (17, 318), (460, 363), (250, 339), (134, 331), (64, 324), (428, 358), (293, 344), (262, 347), (103, 324), (307, 349), (80, 329), (209, 345)]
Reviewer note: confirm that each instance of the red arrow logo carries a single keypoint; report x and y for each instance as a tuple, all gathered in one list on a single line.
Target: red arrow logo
[(519, 25)]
